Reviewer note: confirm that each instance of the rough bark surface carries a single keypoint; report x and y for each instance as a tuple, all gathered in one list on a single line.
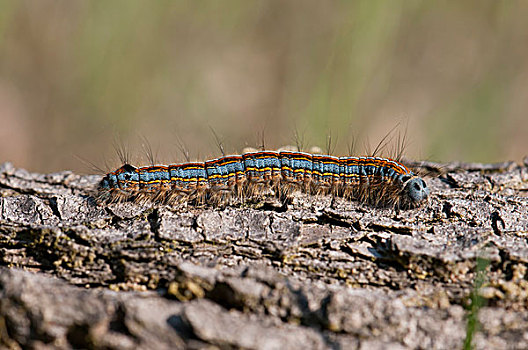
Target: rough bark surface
[(315, 273)]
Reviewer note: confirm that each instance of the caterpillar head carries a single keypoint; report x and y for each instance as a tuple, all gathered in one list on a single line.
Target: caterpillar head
[(415, 189)]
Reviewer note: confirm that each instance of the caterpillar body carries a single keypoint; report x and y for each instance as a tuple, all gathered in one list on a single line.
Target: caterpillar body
[(374, 180)]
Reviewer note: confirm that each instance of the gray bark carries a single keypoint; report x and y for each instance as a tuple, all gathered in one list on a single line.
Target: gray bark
[(317, 273)]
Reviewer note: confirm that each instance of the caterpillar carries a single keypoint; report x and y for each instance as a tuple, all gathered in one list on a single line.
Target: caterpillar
[(381, 182)]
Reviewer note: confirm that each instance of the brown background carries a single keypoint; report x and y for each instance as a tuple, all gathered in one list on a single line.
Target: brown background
[(77, 75)]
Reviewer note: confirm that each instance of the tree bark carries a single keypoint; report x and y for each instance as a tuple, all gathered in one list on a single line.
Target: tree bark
[(315, 273)]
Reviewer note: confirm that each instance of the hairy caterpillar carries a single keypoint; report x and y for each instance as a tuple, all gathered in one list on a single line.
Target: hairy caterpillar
[(374, 180)]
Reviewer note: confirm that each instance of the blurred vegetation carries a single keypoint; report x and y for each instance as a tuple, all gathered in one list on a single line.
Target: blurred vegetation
[(476, 302), (74, 74)]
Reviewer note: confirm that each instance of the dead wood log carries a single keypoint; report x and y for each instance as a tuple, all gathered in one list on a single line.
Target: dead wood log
[(317, 273)]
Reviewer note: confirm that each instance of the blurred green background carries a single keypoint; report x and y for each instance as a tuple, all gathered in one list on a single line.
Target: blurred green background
[(76, 75)]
